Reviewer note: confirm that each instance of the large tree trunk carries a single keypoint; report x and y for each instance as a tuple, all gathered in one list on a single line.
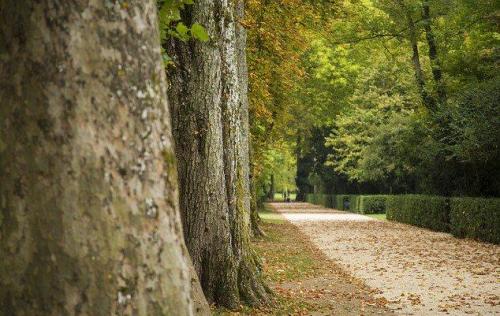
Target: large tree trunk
[(89, 221), (437, 72), (210, 118)]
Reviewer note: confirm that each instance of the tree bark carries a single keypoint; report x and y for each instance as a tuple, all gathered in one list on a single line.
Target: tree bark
[(271, 189), (427, 99), (437, 72), (255, 220), (89, 221), (210, 119)]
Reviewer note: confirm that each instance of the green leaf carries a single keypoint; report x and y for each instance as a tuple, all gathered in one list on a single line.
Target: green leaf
[(181, 29), (199, 32)]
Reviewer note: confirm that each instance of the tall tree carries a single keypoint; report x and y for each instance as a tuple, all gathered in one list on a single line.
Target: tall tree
[(437, 72), (210, 119), (89, 220), (427, 99)]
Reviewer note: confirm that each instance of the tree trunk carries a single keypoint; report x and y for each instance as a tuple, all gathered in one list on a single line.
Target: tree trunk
[(427, 99), (210, 118), (303, 170), (89, 221), (255, 220), (271, 189), (437, 73)]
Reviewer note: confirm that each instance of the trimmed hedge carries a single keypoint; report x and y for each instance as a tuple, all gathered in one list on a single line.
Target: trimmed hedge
[(477, 218), (426, 211), (365, 204), (320, 199), (340, 201), (372, 204), (354, 203)]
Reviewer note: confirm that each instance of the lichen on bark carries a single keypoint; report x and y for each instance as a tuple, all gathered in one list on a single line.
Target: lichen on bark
[(207, 90), (90, 222)]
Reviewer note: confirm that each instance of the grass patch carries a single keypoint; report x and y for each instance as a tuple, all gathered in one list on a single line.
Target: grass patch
[(278, 197), (381, 217), (299, 275), (284, 260), (269, 217)]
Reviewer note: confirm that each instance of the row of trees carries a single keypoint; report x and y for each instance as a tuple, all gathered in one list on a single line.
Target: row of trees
[(411, 95), (280, 33), (376, 96), (113, 200)]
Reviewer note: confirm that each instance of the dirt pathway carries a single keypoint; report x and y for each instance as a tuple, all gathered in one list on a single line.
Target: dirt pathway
[(418, 271)]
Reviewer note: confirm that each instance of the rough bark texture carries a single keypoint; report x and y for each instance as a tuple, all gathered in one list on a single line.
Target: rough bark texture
[(437, 72), (89, 221), (210, 119)]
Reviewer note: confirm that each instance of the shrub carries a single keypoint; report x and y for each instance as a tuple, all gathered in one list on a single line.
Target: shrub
[(310, 198), (320, 199), (354, 203), (330, 202), (325, 200), (372, 204), (477, 218), (420, 210), (339, 201)]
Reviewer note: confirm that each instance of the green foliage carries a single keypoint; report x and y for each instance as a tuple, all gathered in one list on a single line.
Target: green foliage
[(319, 199), (361, 86), (476, 218), (199, 32), (425, 211), (339, 201), (364, 204), (280, 163), (169, 17), (354, 202), (372, 204), (474, 134)]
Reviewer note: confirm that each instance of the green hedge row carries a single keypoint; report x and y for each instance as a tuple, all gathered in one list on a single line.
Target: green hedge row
[(477, 218), (364, 204), (420, 210), (372, 204), (320, 199)]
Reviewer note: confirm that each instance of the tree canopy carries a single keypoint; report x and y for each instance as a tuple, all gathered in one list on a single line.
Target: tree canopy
[(378, 95)]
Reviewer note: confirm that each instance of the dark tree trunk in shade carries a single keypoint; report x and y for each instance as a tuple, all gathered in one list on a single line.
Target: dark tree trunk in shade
[(437, 72), (271, 188), (89, 220), (210, 119), (255, 204), (427, 99)]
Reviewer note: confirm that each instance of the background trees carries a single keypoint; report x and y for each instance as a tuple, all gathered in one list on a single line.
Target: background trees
[(388, 98)]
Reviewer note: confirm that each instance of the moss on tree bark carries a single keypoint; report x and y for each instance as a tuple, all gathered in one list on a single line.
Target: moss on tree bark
[(210, 119), (89, 213)]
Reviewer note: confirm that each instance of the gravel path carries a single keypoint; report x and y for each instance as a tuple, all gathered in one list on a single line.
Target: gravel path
[(419, 272)]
